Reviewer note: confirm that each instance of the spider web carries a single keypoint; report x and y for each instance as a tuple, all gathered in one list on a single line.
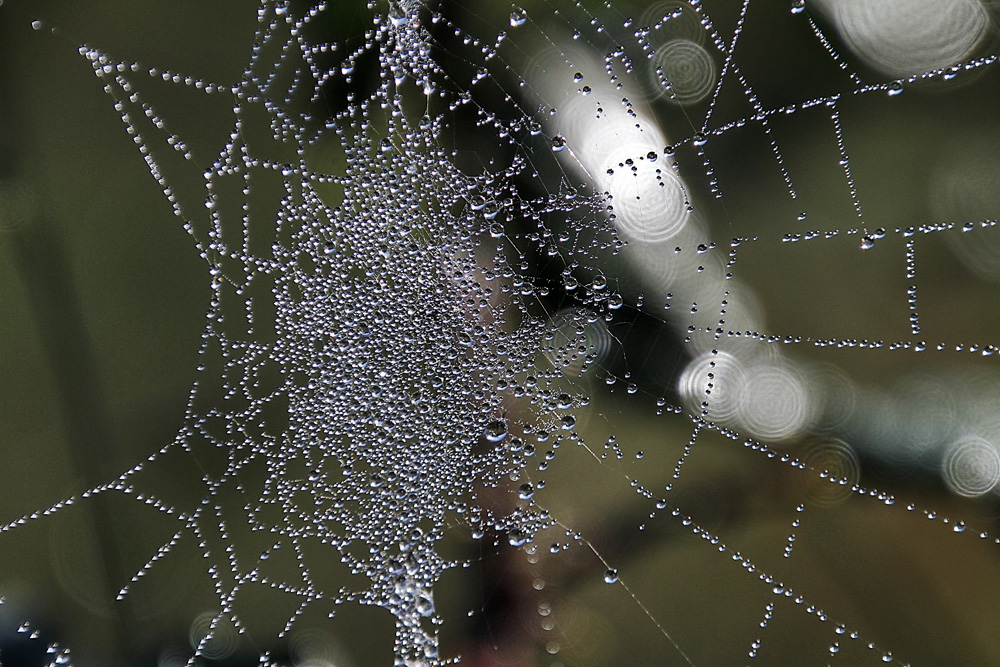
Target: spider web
[(552, 333)]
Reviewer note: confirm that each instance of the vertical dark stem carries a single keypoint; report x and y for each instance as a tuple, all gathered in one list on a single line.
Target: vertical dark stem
[(43, 267)]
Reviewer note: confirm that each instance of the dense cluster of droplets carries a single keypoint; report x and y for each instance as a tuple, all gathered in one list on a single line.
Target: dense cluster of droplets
[(390, 341), (362, 347)]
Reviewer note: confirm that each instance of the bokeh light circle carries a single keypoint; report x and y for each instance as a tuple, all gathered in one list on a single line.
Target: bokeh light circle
[(717, 380), (683, 71), (777, 403), (838, 467), (907, 37), (649, 201), (971, 466)]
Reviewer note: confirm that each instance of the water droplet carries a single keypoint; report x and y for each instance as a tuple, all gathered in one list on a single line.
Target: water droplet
[(424, 606), (525, 491), (496, 430), (558, 143), (490, 209), (798, 6), (518, 17), (611, 576)]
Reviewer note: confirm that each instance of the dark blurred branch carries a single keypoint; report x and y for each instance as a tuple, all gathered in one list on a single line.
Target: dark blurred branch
[(43, 267)]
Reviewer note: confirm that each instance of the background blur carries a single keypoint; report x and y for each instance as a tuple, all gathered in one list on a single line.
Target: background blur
[(102, 302)]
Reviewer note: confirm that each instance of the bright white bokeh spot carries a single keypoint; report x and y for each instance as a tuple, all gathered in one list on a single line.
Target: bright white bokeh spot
[(777, 403), (766, 398), (971, 466), (649, 202), (906, 37), (714, 384)]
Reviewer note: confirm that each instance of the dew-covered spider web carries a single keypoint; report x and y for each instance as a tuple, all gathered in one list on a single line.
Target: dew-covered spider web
[(560, 333)]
